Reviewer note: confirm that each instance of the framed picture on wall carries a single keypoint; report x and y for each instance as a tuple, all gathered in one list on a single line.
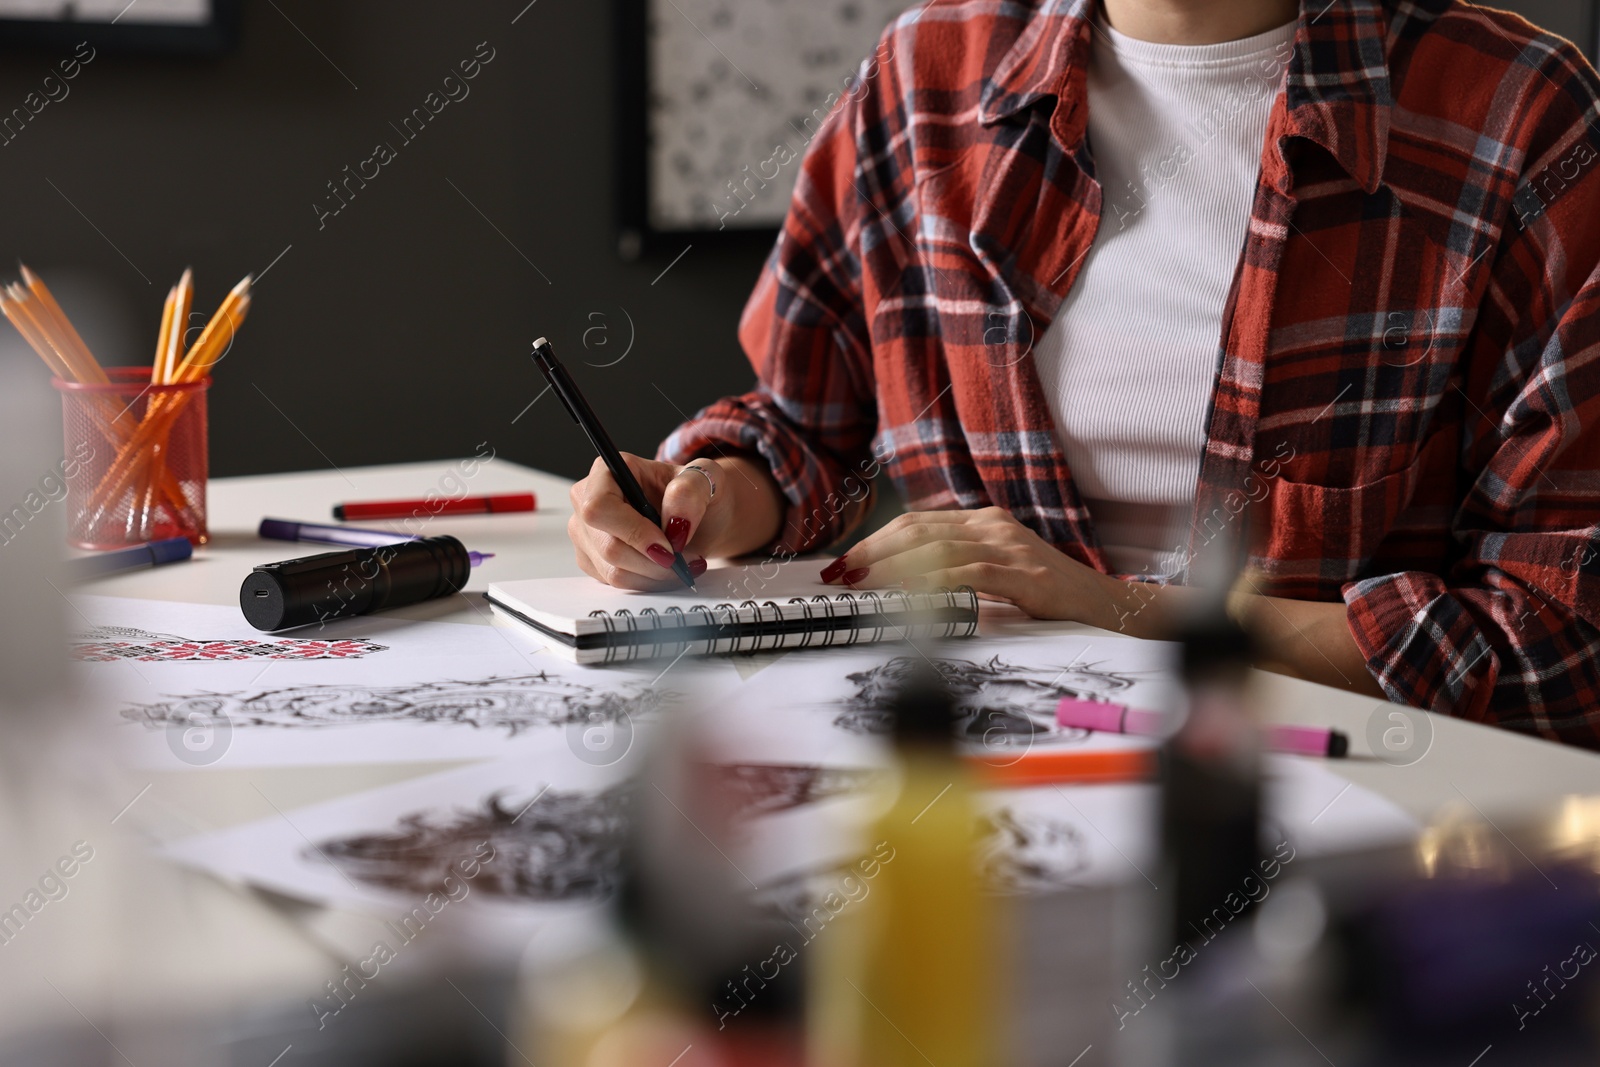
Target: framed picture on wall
[(719, 99), (162, 26)]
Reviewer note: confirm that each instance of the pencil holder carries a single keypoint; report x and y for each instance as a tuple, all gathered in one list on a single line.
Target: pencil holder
[(135, 464)]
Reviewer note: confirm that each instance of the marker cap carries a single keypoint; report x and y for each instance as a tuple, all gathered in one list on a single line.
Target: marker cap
[(170, 550), (279, 530), (1090, 715)]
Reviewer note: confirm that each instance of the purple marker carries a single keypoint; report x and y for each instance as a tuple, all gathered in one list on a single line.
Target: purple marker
[(1121, 719), (315, 533)]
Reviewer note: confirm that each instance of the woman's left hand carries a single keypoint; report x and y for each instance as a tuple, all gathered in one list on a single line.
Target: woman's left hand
[(987, 549), (1001, 558)]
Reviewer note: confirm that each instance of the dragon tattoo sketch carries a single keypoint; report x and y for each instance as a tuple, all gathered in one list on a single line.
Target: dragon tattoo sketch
[(1001, 704)]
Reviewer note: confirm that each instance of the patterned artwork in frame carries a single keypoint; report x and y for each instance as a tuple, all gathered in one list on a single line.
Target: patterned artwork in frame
[(733, 94)]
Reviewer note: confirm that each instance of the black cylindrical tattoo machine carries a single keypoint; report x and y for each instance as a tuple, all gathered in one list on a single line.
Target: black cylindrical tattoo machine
[(298, 592)]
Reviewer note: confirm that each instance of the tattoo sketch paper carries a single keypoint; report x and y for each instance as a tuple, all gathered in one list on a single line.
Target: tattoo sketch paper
[(547, 832), (358, 693), (828, 704), (109, 630), (107, 644), (823, 707), (544, 829), (801, 738), (1054, 837)]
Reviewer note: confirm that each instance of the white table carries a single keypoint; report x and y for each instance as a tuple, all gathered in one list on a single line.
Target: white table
[(216, 947)]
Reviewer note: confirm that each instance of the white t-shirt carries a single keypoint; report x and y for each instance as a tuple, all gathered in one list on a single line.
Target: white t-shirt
[(1129, 364)]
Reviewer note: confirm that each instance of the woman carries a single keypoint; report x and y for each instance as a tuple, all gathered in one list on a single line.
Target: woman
[(1100, 282)]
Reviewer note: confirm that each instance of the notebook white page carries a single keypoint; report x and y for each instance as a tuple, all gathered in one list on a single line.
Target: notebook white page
[(731, 609), (564, 604)]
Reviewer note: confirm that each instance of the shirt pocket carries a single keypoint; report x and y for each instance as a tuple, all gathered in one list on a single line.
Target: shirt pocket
[(1310, 539)]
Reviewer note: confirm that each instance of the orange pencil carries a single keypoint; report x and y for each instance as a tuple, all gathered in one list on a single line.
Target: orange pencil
[(1061, 768), (39, 331), (208, 349), (17, 312), (180, 324), (163, 411), (67, 356), (214, 339), (138, 517), (158, 366), (62, 327)]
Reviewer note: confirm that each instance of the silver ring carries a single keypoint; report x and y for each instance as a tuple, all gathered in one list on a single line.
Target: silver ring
[(704, 474)]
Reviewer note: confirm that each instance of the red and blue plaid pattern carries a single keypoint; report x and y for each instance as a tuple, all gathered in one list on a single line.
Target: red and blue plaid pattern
[(1408, 376)]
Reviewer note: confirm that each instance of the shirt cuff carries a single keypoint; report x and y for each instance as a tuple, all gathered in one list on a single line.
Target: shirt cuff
[(1421, 644), (824, 501)]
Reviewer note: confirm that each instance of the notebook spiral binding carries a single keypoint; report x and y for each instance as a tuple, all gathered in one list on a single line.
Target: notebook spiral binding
[(756, 626)]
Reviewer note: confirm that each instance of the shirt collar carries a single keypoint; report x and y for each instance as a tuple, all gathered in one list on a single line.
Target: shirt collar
[(1336, 93)]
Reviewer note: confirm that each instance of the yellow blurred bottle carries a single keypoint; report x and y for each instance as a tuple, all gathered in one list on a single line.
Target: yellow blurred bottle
[(911, 974)]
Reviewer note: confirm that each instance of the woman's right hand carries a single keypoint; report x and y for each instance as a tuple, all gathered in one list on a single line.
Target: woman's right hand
[(620, 547)]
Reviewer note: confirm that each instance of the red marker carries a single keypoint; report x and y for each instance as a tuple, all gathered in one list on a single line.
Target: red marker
[(1121, 719), (405, 509)]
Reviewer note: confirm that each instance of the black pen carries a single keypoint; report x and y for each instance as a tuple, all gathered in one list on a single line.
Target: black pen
[(582, 414)]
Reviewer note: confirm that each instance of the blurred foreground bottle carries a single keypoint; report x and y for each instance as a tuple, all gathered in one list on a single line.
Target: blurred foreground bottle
[(1211, 782), (1174, 1010), (911, 974), (671, 970)]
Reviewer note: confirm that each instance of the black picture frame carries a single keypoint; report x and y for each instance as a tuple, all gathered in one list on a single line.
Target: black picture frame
[(637, 237), (218, 35)]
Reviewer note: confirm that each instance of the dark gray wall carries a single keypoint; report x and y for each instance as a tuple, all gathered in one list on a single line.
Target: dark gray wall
[(1573, 19), (400, 329)]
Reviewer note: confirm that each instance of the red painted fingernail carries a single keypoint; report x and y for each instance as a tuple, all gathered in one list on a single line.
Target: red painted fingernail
[(678, 533), (855, 576), (833, 570), (697, 567), (660, 556)]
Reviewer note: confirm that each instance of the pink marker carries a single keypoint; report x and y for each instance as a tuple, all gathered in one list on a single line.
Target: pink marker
[(1120, 719)]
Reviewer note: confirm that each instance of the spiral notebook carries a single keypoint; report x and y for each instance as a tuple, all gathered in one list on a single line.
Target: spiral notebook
[(732, 609)]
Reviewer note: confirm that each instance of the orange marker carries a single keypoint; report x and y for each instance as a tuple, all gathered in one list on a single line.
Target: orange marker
[(1066, 767)]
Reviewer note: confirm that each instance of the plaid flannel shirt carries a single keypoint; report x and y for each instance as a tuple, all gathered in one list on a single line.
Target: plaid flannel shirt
[(1408, 376)]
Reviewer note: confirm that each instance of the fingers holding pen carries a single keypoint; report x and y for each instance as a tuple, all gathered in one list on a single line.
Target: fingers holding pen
[(614, 542), (598, 505), (616, 564)]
